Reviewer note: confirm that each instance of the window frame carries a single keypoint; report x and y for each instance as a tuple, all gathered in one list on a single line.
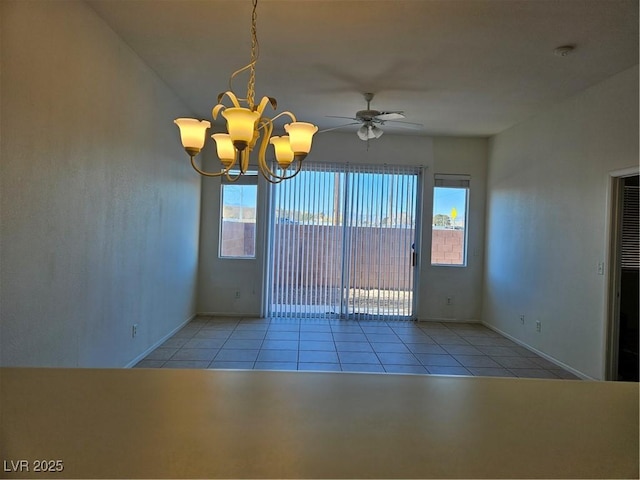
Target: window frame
[(458, 181)]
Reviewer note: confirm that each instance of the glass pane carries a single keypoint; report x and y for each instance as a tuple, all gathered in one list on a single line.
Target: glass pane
[(238, 226), (448, 226)]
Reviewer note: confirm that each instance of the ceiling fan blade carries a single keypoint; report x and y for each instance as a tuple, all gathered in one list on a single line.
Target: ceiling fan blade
[(396, 123), (390, 116), (336, 128), (335, 116)]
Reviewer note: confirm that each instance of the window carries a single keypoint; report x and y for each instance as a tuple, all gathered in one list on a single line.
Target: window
[(449, 224), (238, 205)]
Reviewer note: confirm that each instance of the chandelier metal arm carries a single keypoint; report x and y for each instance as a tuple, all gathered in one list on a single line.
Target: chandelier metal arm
[(209, 174), (267, 125), (264, 121), (289, 114), (244, 160), (269, 174), (287, 177), (233, 179), (265, 168)]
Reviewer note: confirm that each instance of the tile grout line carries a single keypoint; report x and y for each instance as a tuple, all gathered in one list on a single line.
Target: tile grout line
[(447, 330)]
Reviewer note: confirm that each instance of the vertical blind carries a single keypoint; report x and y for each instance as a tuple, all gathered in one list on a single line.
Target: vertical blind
[(630, 251), (307, 229), (343, 241)]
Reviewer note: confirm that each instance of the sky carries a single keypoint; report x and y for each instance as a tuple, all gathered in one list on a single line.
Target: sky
[(445, 199), (240, 195), (374, 195)]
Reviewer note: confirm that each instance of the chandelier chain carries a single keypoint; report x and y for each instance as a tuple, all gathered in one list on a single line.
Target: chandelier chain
[(254, 57)]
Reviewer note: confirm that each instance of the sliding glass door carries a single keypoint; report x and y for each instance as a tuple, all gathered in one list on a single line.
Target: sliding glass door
[(343, 240)]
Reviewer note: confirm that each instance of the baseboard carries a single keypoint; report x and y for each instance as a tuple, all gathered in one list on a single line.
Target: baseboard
[(448, 320), (553, 360), (159, 342), (236, 315), (223, 314)]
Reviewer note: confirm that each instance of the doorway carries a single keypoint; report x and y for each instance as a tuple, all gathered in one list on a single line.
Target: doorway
[(624, 283), (343, 240)]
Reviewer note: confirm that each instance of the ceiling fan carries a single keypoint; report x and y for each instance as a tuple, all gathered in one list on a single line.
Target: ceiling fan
[(371, 120)]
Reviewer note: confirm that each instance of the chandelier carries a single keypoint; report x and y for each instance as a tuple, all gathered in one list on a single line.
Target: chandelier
[(249, 129)]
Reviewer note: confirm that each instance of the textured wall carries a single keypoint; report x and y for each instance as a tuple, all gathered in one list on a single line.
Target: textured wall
[(100, 210), (547, 206)]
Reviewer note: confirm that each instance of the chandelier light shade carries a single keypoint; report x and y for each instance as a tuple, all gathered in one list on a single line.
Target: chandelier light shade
[(192, 133), (300, 135), (225, 149), (284, 153), (241, 123), (249, 130)]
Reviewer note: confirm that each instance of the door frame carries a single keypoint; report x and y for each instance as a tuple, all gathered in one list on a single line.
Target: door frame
[(613, 271), (418, 240)]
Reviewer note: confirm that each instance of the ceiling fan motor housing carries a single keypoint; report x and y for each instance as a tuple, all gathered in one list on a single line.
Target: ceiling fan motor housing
[(367, 115)]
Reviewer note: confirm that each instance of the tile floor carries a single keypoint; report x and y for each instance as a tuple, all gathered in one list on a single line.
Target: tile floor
[(350, 346)]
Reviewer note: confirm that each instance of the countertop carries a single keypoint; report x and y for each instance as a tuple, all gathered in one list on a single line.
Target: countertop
[(161, 423)]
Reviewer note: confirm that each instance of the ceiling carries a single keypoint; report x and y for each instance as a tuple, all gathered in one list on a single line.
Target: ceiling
[(458, 67)]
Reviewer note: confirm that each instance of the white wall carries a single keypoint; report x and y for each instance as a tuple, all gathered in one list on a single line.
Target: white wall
[(100, 209), (462, 285), (547, 193), (220, 278)]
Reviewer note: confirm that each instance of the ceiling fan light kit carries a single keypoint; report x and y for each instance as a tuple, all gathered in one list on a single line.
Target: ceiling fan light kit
[(246, 125), (368, 132)]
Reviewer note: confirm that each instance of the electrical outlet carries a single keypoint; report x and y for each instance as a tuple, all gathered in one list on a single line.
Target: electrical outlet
[(449, 301), (522, 319), (134, 330), (237, 293), (600, 268), (538, 326)]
